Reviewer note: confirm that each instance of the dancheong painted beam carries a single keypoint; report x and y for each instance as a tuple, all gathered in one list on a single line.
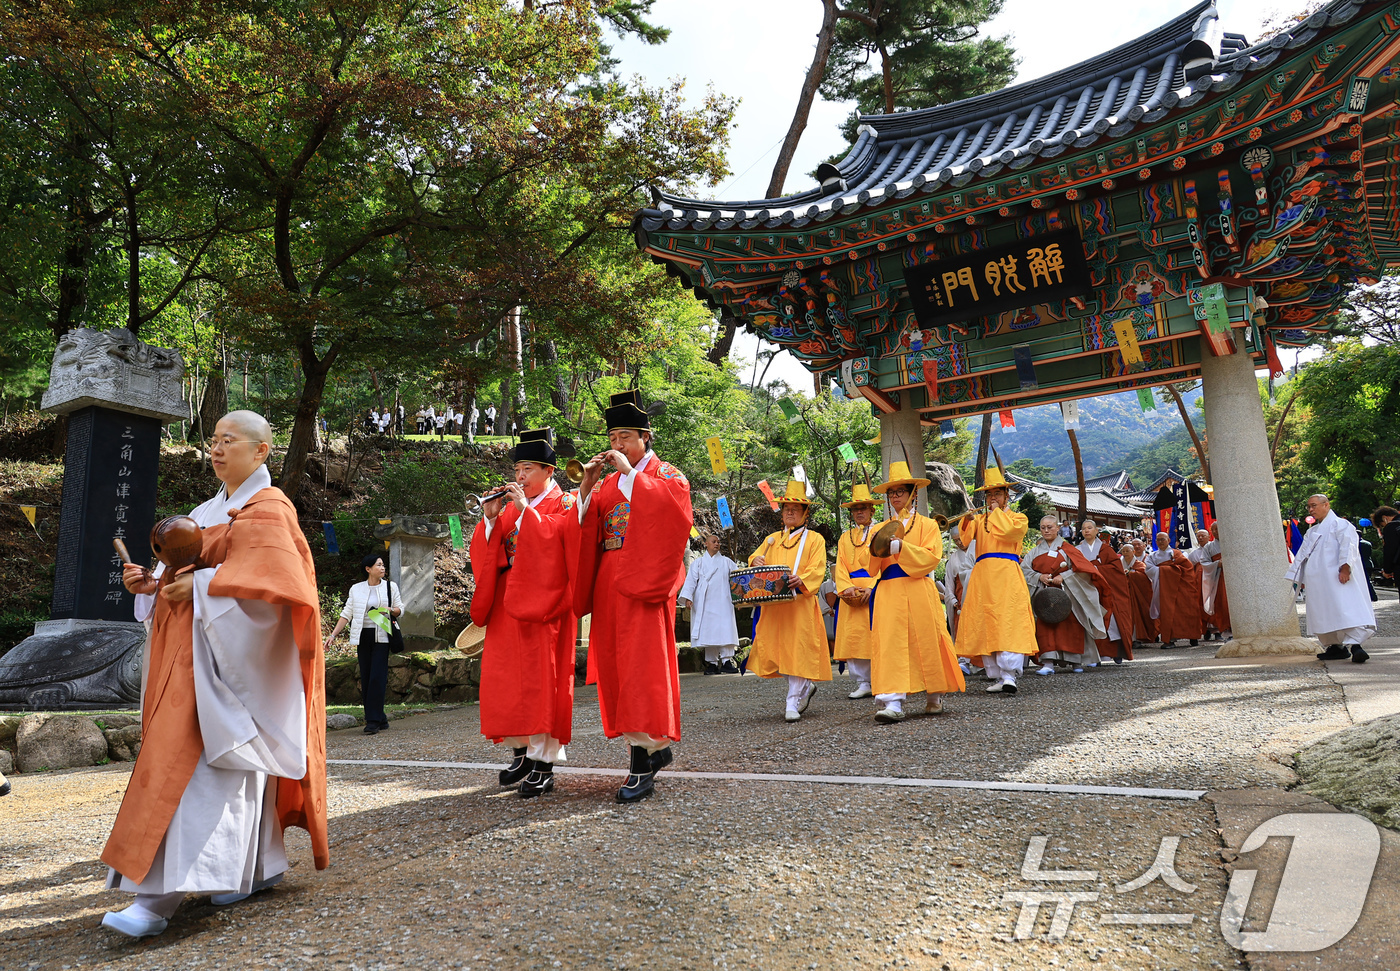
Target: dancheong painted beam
[(1092, 231)]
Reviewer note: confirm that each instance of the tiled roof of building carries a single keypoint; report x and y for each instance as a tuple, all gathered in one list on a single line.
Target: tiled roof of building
[(1099, 501)]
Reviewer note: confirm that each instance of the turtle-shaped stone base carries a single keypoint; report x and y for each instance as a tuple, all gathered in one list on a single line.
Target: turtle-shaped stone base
[(91, 667)]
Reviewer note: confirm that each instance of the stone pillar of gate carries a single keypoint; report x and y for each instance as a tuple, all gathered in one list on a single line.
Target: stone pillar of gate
[(902, 433), (1253, 555)]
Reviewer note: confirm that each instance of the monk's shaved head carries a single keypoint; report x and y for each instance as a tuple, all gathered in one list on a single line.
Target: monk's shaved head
[(1049, 519), (250, 424)]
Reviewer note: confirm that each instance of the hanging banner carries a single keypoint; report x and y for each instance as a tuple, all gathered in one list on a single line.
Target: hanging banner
[(1126, 333), (694, 533), (872, 441), (716, 450), (1145, 400), (454, 525), (1069, 410), (29, 513), (332, 546), (767, 490), (847, 452), (946, 429), (1025, 367), (725, 519), (790, 410), (1008, 424)]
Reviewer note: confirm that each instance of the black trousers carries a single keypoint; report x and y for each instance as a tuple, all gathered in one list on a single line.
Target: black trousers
[(374, 676)]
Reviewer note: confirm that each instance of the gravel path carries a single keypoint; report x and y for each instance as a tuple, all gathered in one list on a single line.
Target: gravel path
[(440, 868)]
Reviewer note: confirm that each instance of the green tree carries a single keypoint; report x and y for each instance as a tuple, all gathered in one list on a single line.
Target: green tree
[(1027, 469)]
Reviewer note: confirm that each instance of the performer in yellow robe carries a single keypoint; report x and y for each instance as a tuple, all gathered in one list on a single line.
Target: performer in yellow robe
[(790, 638), (996, 623), (853, 582), (911, 650)]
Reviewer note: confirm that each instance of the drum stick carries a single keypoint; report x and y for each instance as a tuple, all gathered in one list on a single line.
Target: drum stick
[(120, 547)]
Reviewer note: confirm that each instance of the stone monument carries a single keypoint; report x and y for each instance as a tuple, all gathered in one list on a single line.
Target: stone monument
[(412, 540), (117, 392)]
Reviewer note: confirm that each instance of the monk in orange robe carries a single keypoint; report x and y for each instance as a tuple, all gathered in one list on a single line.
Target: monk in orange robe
[(1140, 582), (521, 551), (233, 702), (1054, 562), (1179, 613), (631, 564), (1113, 594)]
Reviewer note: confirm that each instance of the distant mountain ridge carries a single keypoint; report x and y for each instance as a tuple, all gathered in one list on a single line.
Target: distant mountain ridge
[(1114, 433)]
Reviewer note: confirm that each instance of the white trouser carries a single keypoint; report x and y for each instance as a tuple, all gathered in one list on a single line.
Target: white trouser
[(796, 686), (649, 742), (895, 702), (1005, 665), (1349, 635), (715, 653), (860, 669), (150, 906), (540, 747)]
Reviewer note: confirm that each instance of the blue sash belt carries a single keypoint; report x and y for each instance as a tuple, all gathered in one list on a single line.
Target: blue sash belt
[(1001, 556), (892, 572)]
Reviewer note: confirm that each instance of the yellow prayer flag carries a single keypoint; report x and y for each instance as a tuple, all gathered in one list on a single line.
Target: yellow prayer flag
[(716, 450), (1128, 343), (873, 441), (386, 544), (29, 512), (695, 533)]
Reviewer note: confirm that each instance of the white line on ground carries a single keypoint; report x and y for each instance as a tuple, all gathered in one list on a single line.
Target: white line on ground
[(1141, 919), (839, 780)]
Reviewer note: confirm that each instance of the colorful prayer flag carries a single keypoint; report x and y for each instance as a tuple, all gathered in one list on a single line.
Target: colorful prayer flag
[(848, 454), (767, 490), (1069, 410), (1145, 400), (946, 429), (454, 525), (790, 410), (332, 546), (1008, 424), (694, 533), (29, 514), (1025, 367), (716, 450), (872, 441), (725, 519)]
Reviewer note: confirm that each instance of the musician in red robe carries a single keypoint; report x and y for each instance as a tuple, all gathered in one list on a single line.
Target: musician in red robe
[(1113, 594), (631, 564), (520, 554)]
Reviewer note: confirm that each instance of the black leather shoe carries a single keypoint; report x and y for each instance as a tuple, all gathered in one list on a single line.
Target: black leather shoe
[(710, 668), (371, 729), (639, 784), (519, 768), (1336, 652), (728, 666), (1195, 642), (1358, 656), (4, 786), (660, 759), (539, 781)]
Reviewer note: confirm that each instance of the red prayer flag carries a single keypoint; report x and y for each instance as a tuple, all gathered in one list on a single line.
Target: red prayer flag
[(1006, 420), (767, 490)]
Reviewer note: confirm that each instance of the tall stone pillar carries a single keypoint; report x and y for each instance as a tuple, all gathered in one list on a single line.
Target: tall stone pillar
[(1262, 611), (412, 541), (902, 428)]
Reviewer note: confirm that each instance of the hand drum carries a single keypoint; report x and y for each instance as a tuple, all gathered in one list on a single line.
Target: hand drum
[(177, 542)]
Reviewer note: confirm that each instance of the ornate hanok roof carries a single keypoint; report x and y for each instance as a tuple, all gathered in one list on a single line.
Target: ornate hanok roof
[(1099, 501), (1221, 193)]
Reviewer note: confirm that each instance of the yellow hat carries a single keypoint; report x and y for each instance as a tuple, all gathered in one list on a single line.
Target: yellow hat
[(860, 496), (993, 480), (900, 475), (796, 492)]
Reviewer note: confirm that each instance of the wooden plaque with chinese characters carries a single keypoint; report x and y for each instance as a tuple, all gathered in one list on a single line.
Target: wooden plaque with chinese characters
[(109, 490), (1021, 274)]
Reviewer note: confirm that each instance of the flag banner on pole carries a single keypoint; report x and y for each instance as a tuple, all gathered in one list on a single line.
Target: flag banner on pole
[(767, 490), (847, 452), (454, 524), (332, 546), (1008, 424), (1069, 410), (790, 410), (1126, 333), (1145, 400), (1025, 366), (716, 450), (29, 513), (725, 519), (946, 429)]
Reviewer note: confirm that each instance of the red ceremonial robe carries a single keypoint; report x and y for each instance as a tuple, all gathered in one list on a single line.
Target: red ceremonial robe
[(1141, 585), (1116, 599), (1179, 613), (1067, 636), (524, 601), (631, 565), (262, 555)]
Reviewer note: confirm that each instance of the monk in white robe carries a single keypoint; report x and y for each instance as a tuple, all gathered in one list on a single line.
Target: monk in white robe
[(712, 623), (240, 640), (1328, 568)]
